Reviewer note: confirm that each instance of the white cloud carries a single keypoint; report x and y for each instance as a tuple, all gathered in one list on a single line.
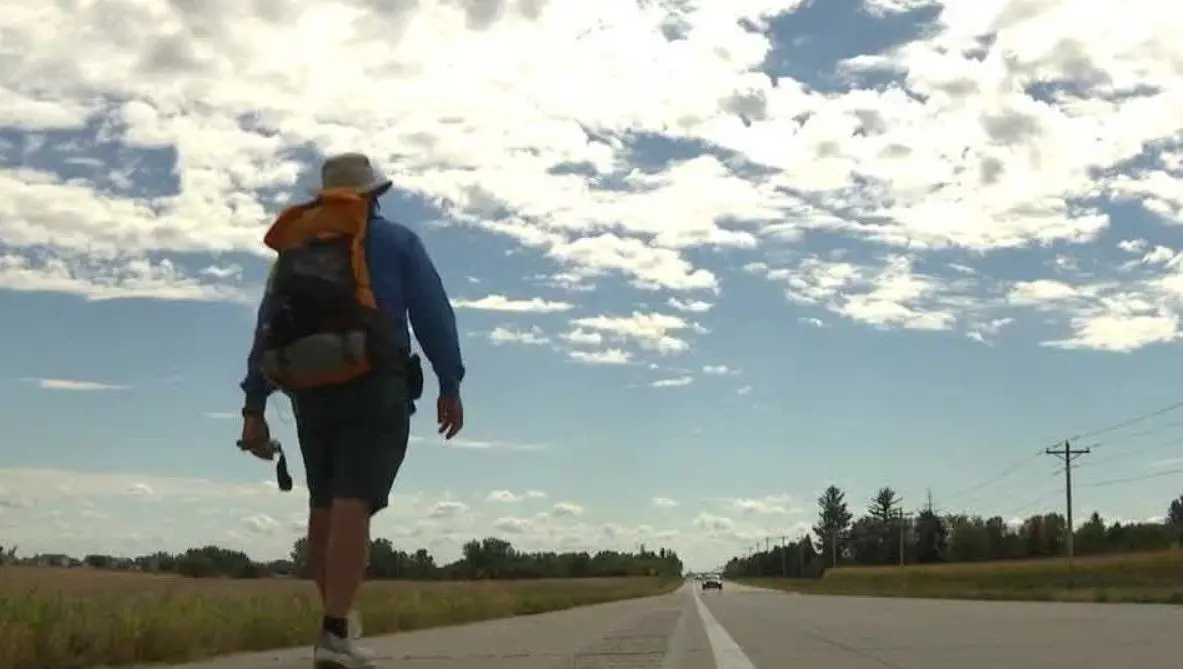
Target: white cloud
[(480, 444), (581, 337), (719, 370), (502, 303), (45, 510), (534, 336), (567, 509), (612, 356), (510, 497), (96, 278), (1013, 143), (447, 509), (74, 385), (487, 444), (713, 523), (769, 504), (262, 523), (692, 306), (503, 496), (675, 382), (665, 502), (651, 331)]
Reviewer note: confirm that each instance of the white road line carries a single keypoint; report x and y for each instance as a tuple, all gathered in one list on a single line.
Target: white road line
[(728, 654)]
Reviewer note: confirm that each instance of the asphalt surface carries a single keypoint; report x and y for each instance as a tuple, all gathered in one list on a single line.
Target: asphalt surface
[(746, 628)]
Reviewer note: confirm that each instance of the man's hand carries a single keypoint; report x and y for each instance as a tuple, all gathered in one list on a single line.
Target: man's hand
[(256, 436), (449, 415)]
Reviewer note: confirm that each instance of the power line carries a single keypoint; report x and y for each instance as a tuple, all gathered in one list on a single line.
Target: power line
[(1155, 429), (1016, 466), (1132, 479), (1112, 427), (1124, 453), (1104, 429)]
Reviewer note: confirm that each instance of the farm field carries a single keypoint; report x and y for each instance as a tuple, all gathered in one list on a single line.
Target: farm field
[(81, 618), (1131, 577)]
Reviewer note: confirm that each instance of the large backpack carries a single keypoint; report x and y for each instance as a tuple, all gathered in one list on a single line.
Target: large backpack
[(323, 326)]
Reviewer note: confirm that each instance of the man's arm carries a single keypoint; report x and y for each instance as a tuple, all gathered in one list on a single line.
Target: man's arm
[(431, 316), (255, 386)]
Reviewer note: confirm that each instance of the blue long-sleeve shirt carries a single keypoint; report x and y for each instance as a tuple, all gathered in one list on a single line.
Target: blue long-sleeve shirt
[(405, 283)]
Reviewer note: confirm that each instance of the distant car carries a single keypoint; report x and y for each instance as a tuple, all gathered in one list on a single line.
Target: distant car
[(712, 582)]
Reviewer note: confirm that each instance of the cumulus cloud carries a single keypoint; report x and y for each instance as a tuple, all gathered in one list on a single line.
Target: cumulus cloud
[(447, 509), (74, 385), (508, 496), (1004, 127), (612, 356), (766, 505), (488, 445), (533, 337), (50, 510), (674, 382), (692, 306), (719, 370), (502, 303), (651, 331), (567, 509)]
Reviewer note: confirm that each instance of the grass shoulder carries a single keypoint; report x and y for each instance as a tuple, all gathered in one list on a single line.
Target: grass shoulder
[(1142, 577), (80, 618)]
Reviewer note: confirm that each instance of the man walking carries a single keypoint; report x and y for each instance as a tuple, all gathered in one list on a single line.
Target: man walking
[(332, 334)]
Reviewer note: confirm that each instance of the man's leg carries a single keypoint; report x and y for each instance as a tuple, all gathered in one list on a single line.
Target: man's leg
[(345, 564), (318, 546), (316, 447), (370, 447)]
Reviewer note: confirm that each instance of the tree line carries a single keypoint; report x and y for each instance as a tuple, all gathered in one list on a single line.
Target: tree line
[(489, 558), (884, 534)]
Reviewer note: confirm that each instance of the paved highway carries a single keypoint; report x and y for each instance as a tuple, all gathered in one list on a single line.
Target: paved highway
[(746, 628)]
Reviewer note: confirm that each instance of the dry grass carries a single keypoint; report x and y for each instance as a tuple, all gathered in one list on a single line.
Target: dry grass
[(75, 618), (1141, 577)]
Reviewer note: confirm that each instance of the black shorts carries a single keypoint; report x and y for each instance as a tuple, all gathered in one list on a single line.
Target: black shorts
[(353, 438)]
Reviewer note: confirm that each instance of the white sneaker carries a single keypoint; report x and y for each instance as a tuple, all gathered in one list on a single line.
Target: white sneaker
[(333, 652), (355, 630)]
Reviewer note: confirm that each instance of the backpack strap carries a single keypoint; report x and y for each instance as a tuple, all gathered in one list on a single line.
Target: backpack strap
[(335, 212)]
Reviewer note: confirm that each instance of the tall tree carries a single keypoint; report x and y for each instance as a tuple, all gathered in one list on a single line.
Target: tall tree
[(884, 526), (932, 537), (1175, 518), (1090, 537), (833, 522), (883, 505)]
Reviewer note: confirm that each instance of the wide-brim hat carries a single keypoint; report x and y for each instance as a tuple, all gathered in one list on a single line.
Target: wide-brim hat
[(353, 170)]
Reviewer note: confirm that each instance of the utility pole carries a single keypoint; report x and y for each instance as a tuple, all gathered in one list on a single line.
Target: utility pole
[(784, 570), (886, 521), (900, 537), (1067, 455), (801, 557)]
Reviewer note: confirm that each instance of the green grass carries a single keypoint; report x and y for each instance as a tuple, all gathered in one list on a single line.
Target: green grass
[(75, 619), (1143, 577)]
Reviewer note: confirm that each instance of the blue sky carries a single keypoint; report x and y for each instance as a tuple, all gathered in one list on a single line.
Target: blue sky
[(707, 258)]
